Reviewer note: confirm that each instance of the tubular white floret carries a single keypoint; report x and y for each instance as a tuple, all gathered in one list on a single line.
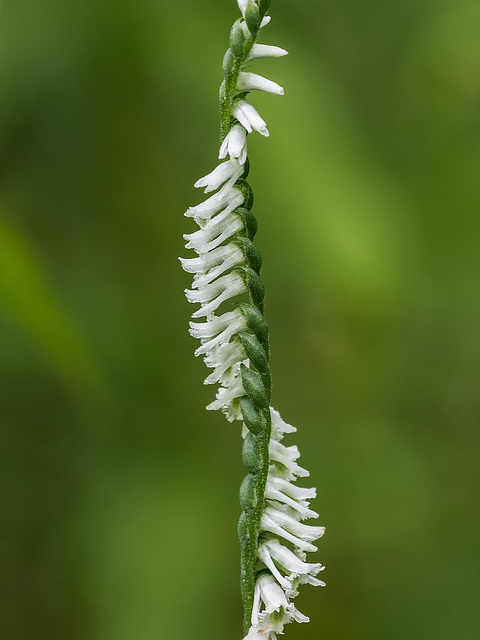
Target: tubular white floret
[(299, 494), (222, 359), (274, 494), (242, 5), (209, 266), (304, 531), (212, 296), (266, 20), (226, 395), (252, 81), (228, 170), (235, 144), (266, 51), (217, 325), (249, 117), (284, 464), (215, 232), (231, 258), (270, 525), (287, 560), (279, 426), (257, 633), (228, 197), (238, 325), (269, 592)]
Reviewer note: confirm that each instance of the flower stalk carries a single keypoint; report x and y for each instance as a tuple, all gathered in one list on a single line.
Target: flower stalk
[(234, 343)]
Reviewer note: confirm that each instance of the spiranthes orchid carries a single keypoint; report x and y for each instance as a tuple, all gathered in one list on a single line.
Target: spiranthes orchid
[(234, 344)]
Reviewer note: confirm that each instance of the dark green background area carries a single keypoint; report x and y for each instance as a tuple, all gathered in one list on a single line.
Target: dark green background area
[(118, 491)]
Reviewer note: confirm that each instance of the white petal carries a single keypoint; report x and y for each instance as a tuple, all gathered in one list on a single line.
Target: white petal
[(242, 5), (236, 325), (265, 21), (266, 51), (268, 524), (235, 144), (271, 593), (309, 579), (226, 395), (249, 117), (279, 426), (209, 266), (214, 233), (304, 531), (266, 558), (214, 327), (230, 256), (225, 171), (228, 196), (286, 456), (290, 561), (303, 512), (222, 358), (256, 632), (212, 296), (252, 81), (298, 493)]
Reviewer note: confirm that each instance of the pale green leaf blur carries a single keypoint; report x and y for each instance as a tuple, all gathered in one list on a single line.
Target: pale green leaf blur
[(118, 491)]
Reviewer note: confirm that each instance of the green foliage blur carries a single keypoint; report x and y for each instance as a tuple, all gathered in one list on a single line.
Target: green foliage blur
[(118, 491)]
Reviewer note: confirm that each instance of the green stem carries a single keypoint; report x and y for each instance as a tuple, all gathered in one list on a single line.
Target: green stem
[(257, 379)]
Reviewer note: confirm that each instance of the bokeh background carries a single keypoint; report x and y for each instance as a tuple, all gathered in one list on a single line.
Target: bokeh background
[(118, 491)]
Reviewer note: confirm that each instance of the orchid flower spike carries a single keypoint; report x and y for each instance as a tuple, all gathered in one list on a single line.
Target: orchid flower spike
[(234, 343)]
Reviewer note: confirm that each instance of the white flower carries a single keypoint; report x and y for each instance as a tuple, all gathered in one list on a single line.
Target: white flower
[(229, 170), (209, 266), (265, 51), (222, 359), (249, 117), (252, 81), (235, 144), (211, 296), (257, 633), (306, 532), (270, 593), (272, 551), (226, 395), (272, 493), (268, 524), (285, 457), (279, 426), (218, 330), (266, 20), (242, 5), (215, 232), (228, 197)]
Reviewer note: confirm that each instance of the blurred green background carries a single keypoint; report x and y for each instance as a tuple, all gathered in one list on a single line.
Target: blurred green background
[(118, 490)]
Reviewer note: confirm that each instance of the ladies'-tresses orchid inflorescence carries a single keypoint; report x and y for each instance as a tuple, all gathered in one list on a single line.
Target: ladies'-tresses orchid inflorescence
[(234, 343)]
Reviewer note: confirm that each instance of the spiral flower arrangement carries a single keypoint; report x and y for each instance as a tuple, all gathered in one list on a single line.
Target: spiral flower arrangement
[(234, 342)]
